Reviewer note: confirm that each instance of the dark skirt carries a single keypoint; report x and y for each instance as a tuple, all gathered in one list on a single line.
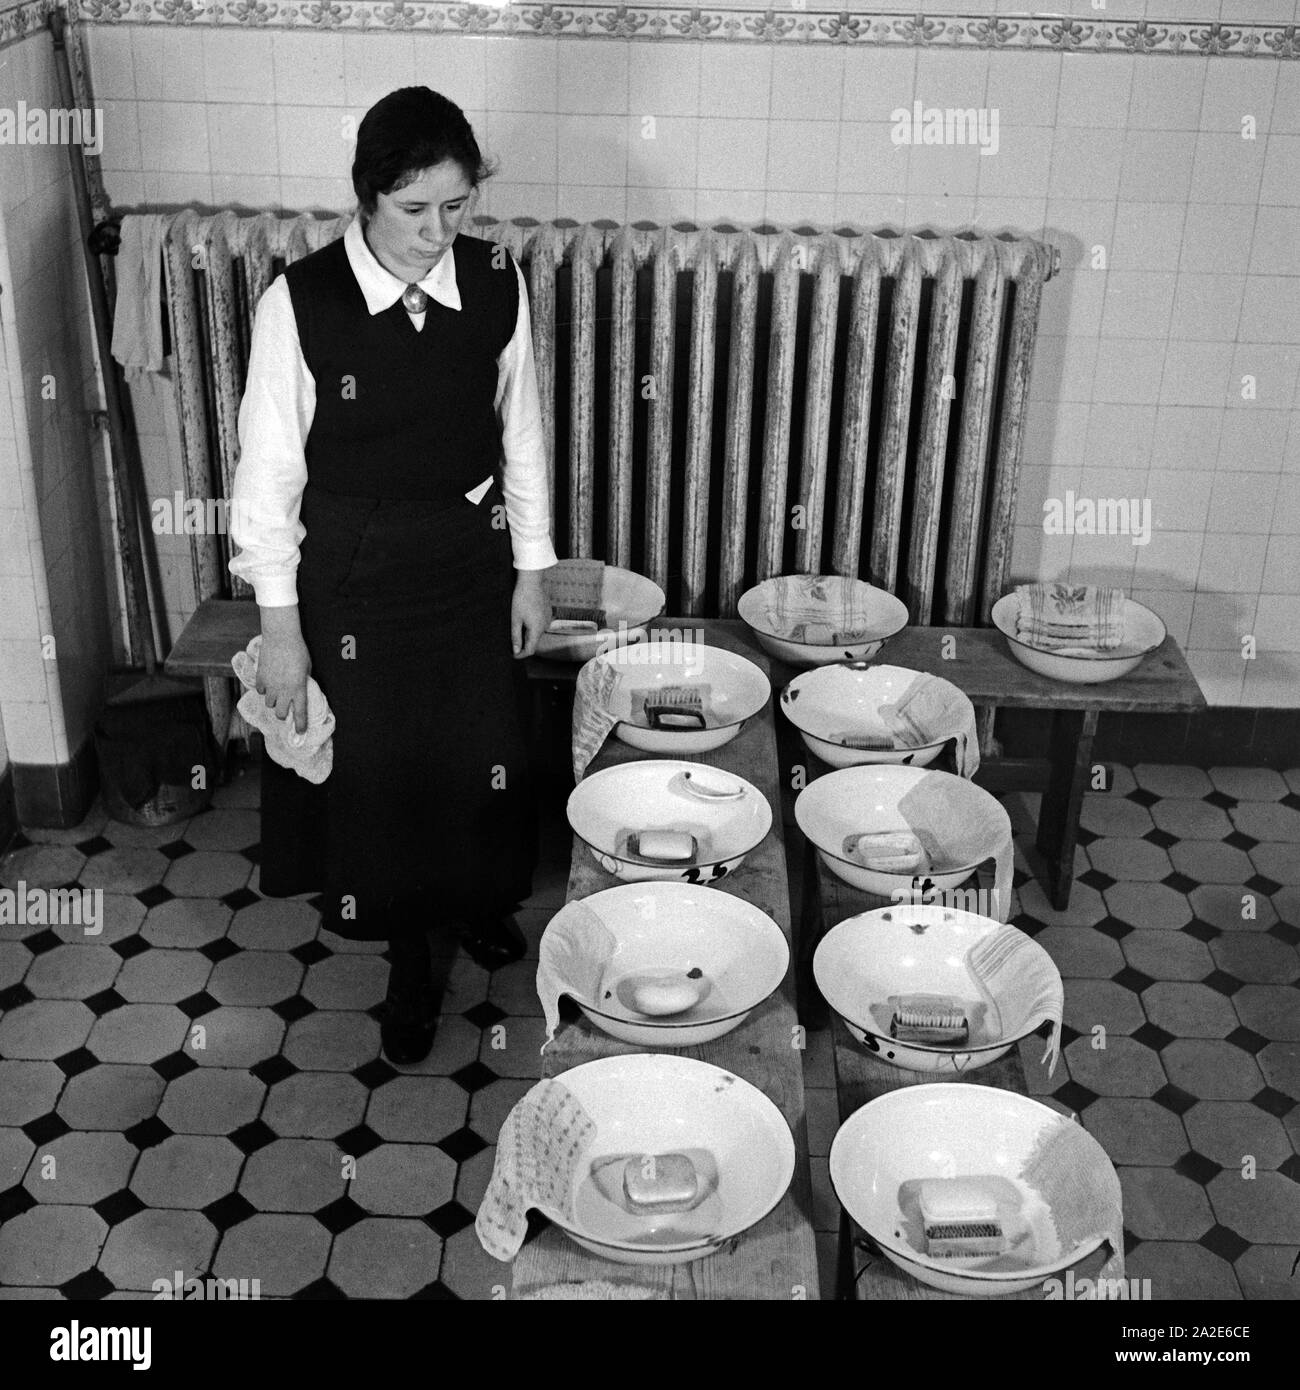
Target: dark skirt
[(428, 816)]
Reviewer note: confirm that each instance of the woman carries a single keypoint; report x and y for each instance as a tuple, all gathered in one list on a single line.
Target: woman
[(389, 374)]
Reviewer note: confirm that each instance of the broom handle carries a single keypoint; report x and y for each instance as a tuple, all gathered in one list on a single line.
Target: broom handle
[(123, 457)]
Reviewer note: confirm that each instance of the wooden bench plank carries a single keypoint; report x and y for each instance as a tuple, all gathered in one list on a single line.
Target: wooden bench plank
[(982, 665), (776, 1258), (219, 628)]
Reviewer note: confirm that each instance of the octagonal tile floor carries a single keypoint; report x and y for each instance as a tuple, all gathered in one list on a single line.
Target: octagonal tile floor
[(199, 1085)]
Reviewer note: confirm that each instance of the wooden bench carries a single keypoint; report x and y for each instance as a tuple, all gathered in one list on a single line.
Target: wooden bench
[(776, 1258), (862, 1270), (975, 659)]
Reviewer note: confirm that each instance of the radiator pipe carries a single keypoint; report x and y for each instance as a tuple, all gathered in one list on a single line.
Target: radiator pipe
[(125, 457)]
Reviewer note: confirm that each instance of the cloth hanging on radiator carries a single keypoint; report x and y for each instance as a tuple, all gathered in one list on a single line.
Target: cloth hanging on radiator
[(137, 315)]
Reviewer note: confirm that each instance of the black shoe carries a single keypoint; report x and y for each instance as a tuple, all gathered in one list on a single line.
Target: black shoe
[(408, 1026), (494, 941), (410, 1012)]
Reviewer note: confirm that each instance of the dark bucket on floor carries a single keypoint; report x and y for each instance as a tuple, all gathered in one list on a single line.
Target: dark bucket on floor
[(154, 744)]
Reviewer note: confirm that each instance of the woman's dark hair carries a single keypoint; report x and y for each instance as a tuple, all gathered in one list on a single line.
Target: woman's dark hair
[(406, 132)]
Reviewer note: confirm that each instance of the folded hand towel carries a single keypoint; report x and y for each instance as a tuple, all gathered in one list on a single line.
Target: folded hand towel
[(1071, 1173), (823, 609), (575, 585), (1057, 617), (309, 754), (137, 314), (593, 712), (1009, 965), (575, 950), (539, 1151)]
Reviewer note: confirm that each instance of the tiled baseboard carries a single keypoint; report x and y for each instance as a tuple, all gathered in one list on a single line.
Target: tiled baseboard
[(54, 796), (1212, 738)]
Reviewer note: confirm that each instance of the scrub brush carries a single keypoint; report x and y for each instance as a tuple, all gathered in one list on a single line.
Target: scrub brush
[(675, 707), (572, 617), (928, 1018), (959, 1218)]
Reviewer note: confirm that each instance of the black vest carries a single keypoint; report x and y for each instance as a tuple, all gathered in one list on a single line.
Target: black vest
[(402, 413)]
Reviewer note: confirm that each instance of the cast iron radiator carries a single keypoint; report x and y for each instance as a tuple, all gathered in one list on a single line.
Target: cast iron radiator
[(719, 405)]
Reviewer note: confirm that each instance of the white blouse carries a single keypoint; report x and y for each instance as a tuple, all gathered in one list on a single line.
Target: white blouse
[(279, 403)]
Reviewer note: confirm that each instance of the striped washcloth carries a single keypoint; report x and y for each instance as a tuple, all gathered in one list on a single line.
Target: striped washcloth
[(1008, 965), (576, 588), (1070, 618), (539, 1150), (593, 711), (1069, 1170), (822, 609)]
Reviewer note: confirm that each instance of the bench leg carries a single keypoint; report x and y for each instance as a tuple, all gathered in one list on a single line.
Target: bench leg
[(1070, 754), (845, 1274), (812, 1008)]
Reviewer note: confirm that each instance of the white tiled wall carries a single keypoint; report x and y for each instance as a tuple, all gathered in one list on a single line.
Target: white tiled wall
[(1141, 365), (54, 614)]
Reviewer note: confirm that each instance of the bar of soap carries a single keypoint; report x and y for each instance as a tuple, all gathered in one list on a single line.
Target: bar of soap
[(660, 1183), (673, 995), (955, 1199), (893, 851), (675, 846), (960, 1218)]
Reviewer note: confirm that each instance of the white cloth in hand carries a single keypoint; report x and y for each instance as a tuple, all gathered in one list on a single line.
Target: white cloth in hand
[(309, 754)]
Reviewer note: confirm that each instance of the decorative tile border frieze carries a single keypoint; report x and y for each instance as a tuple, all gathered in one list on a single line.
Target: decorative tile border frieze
[(790, 22)]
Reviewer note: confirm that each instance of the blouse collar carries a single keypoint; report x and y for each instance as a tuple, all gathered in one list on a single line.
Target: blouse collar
[(382, 289)]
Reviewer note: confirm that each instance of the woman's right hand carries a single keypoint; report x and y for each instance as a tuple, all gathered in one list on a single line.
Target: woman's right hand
[(283, 665)]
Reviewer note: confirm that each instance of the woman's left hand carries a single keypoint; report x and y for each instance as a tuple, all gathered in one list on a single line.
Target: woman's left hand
[(530, 612)]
